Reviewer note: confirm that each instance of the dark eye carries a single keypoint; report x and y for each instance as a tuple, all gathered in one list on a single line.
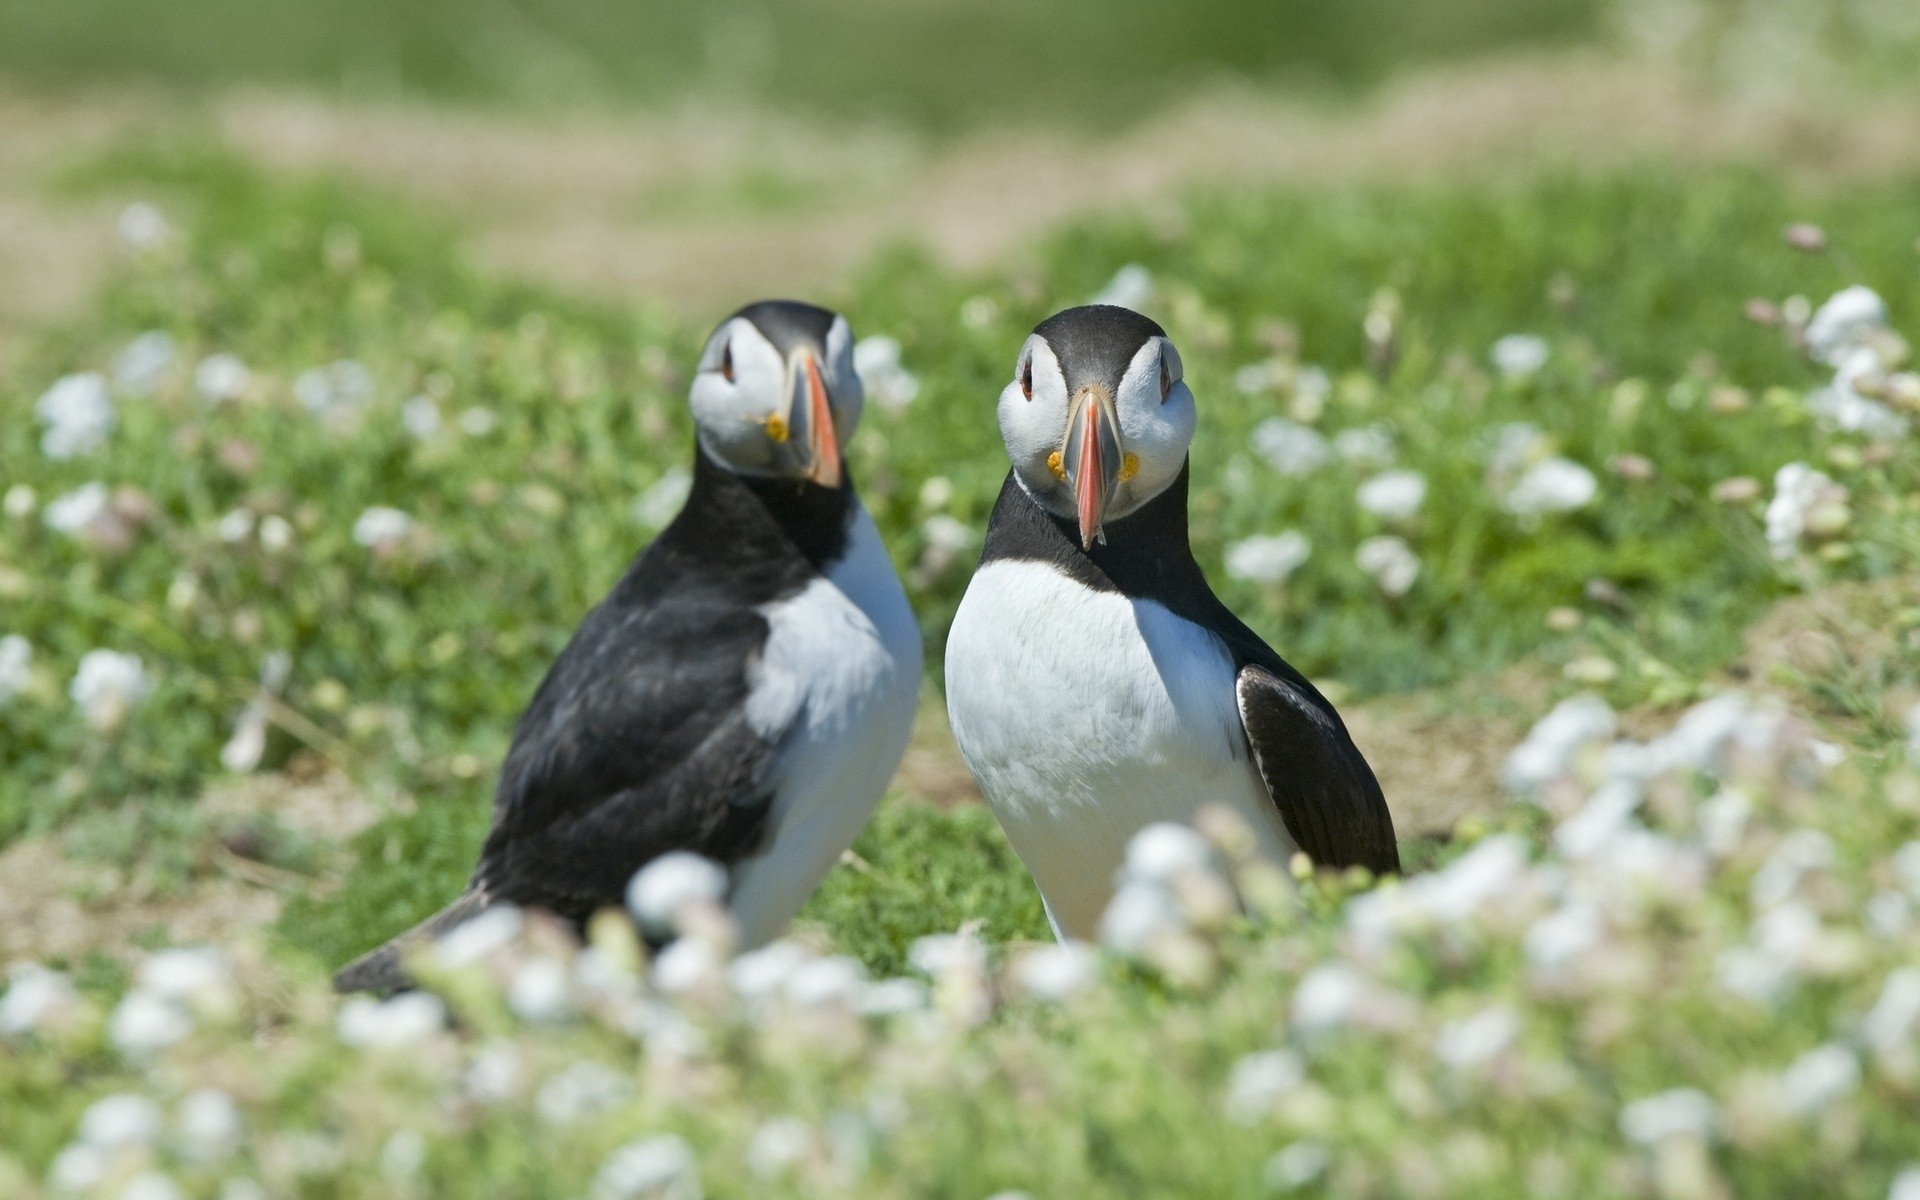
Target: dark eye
[(1026, 379), (1166, 379), (726, 362)]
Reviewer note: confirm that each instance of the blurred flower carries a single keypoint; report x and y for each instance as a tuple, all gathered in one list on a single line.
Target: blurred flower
[(107, 686), (1162, 852), (827, 981), (402, 1156), (1259, 1080), (1291, 448), (34, 997), (662, 502), (380, 527), (761, 974), (1130, 287), (276, 533), (1682, 1112), (1549, 749), (1052, 974), (1476, 1040), (16, 666), (540, 991), (76, 512), (1791, 859), (402, 1020), (661, 891), (1268, 558), (1439, 899), (143, 362), (1137, 914), (1563, 936), (186, 973), (338, 385), (1805, 503), (1807, 237), (1296, 1165), (144, 1023), (420, 417), (892, 998), (1849, 319), (121, 1119), (1894, 1019), (209, 1125), (143, 227), (78, 415), (478, 422), (19, 502), (1906, 1185), (1517, 445), (877, 360), (1393, 495), (1817, 1079), (1844, 404), (479, 937), (1327, 997), (1740, 489), (777, 1145), (686, 965), (1366, 446), (1390, 561), (150, 1185), (662, 1166), (1519, 355), (235, 526), (221, 377), (1551, 486), (1913, 715)]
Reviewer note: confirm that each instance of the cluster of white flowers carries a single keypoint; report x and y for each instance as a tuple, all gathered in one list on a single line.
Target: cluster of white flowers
[(1291, 448), (1519, 355), (1850, 333), (1553, 485), (143, 363), (1268, 558), (220, 378), (882, 377), (338, 387), (1806, 505), (1393, 495), (382, 528), (108, 686), (78, 415), (1391, 561), (16, 666)]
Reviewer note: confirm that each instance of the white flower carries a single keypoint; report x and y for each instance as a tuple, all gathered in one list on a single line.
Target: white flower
[(1259, 1080), (663, 889), (150, 1185), (107, 686), (1796, 854), (1268, 558), (74, 512), (877, 361), (540, 991), (478, 422), (1848, 319), (402, 1157), (892, 998), (1137, 914), (1290, 447), (1519, 355), (1550, 746), (144, 1024), (142, 226), (1604, 819), (1053, 973), (34, 996), (1906, 1185), (948, 954), (662, 1166), (78, 415), (209, 1125), (235, 526), (402, 1020), (276, 533), (1842, 404), (1365, 446), (1888, 914), (777, 1145), (77, 1169), (1803, 499), (1164, 851), (662, 502), (1393, 495), (16, 666), (1751, 975), (144, 362), (1906, 866), (122, 1119), (19, 501), (1818, 1079), (685, 965), (1130, 287), (1894, 1018), (1517, 445), (1296, 1165), (474, 939), (581, 1090), (763, 973), (221, 377), (493, 1076), (1390, 561), (420, 417), (248, 743), (1563, 936), (186, 973), (946, 535), (1550, 486), (338, 385), (1681, 1112), (1473, 1041), (832, 981), (381, 526), (1327, 997)]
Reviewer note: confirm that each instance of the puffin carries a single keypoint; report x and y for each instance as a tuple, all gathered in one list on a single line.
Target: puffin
[(746, 690), (1095, 683)]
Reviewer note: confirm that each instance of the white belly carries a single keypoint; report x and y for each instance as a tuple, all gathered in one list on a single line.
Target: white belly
[(841, 674), (1086, 716)]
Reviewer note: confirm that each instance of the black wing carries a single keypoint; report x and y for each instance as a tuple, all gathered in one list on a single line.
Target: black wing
[(636, 743), (1317, 777)]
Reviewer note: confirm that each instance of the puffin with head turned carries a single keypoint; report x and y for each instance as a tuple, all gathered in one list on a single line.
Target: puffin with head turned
[(746, 690), (1095, 683)]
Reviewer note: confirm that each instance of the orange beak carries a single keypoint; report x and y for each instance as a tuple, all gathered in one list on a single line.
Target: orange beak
[(812, 415), (1091, 458)]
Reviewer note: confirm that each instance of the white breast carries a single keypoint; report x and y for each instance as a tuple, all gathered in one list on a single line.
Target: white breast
[(840, 677), (1086, 716)]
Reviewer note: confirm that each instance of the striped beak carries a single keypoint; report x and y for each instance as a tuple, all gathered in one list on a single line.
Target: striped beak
[(1091, 458), (810, 430)]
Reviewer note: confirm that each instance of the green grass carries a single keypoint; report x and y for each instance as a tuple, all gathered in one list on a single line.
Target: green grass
[(935, 66), (409, 669)]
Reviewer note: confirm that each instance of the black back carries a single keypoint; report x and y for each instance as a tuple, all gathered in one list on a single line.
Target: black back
[(636, 742), (1327, 794)]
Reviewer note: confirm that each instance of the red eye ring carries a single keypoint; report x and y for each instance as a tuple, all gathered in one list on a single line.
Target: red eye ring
[(1026, 379), (726, 362)]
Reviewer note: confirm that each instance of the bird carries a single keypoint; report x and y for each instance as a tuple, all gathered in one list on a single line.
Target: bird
[(1095, 684), (746, 690)]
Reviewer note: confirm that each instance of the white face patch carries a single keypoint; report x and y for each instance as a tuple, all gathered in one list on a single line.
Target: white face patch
[(742, 397)]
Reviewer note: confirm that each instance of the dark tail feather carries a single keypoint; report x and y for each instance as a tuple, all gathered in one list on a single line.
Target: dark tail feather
[(381, 970)]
